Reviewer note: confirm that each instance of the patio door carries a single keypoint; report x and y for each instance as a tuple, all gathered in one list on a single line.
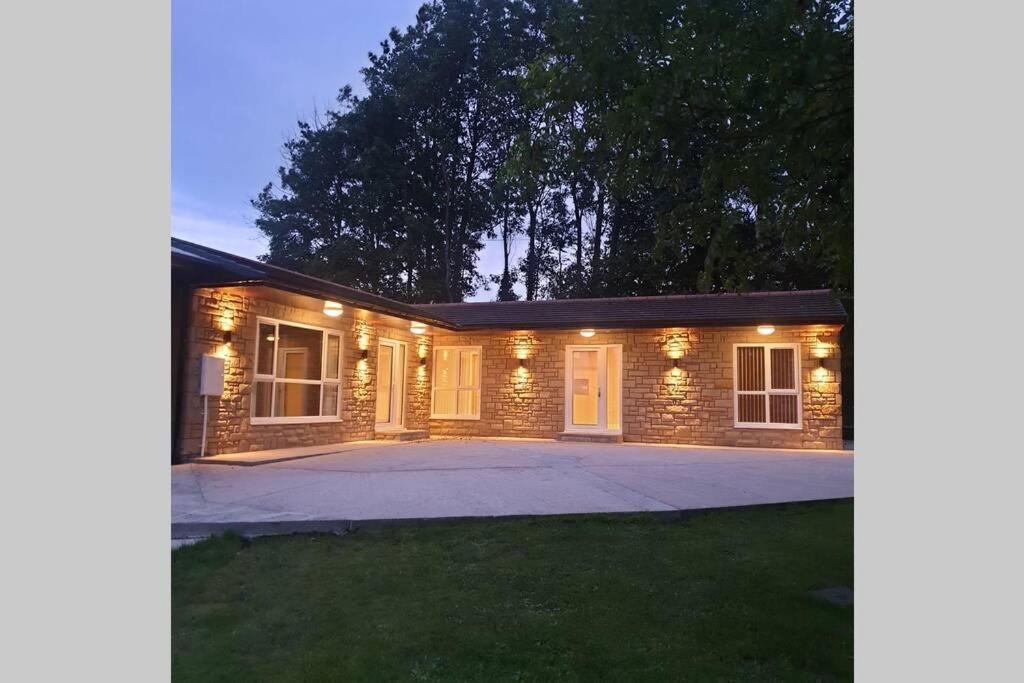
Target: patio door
[(390, 384), (593, 388)]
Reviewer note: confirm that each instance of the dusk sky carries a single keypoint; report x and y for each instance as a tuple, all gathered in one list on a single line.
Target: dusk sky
[(243, 74)]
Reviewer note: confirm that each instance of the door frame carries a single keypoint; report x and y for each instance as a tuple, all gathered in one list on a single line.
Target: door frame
[(397, 396), (602, 384)]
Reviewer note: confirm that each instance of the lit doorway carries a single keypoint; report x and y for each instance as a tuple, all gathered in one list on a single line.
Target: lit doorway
[(390, 384), (593, 388)]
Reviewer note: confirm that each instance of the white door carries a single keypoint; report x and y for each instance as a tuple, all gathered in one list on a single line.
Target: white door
[(593, 388), (390, 383)]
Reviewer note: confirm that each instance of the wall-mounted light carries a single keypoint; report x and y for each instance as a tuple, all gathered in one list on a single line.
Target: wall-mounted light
[(227, 336), (676, 370), (522, 362), (587, 332), (270, 337), (423, 362), (364, 354), (417, 328), (332, 309), (766, 329)]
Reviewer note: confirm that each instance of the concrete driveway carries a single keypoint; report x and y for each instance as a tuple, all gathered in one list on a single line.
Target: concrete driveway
[(492, 477)]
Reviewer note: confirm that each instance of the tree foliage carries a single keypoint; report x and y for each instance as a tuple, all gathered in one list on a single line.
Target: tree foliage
[(631, 146)]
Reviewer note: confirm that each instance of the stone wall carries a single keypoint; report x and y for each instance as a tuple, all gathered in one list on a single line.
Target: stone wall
[(229, 429), (657, 407), (695, 407)]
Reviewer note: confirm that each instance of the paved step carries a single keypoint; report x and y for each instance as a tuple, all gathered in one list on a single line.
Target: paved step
[(589, 438), (402, 435)]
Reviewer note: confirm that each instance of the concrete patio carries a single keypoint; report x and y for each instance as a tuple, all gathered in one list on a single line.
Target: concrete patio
[(495, 477)]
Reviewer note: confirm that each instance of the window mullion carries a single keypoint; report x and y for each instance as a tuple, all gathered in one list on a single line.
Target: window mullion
[(273, 372)]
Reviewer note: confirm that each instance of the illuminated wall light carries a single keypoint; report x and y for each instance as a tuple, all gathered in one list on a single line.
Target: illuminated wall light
[(417, 328), (766, 329), (332, 309), (676, 370), (587, 332)]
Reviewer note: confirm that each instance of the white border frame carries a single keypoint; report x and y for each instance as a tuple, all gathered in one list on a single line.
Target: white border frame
[(272, 378), (768, 391), (602, 403), (479, 382), (399, 409)]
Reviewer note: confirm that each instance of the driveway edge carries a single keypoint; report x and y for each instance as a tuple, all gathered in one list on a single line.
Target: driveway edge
[(191, 530)]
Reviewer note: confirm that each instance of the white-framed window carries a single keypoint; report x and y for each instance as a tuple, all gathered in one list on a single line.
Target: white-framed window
[(298, 373), (766, 382), (455, 386)]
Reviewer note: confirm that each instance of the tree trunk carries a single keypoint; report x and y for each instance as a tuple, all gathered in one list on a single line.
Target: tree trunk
[(531, 254), (578, 224), (595, 257)]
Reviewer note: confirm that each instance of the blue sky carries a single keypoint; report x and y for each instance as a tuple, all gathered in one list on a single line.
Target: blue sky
[(243, 73)]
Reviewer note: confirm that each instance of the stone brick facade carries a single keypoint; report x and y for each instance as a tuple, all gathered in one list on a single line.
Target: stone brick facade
[(229, 428), (657, 407)]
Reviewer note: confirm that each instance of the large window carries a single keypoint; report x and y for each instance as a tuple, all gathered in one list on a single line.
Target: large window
[(767, 385), (456, 383), (298, 374)]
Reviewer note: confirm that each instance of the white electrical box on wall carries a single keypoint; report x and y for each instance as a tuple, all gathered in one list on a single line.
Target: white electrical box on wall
[(211, 375)]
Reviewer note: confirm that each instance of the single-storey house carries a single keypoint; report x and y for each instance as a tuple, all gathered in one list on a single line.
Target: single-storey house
[(307, 362)]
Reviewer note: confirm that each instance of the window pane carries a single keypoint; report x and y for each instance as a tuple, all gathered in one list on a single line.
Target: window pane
[(614, 380), (467, 368), (330, 401), (333, 355), (751, 408), (585, 401), (261, 396), (783, 369), (467, 401), (445, 365), (297, 400), (444, 401), (750, 368), (265, 343), (298, 353), (385, 365), (783, 409)]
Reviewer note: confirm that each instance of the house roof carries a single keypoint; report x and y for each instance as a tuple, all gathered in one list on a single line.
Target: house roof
[(211, 267), (684, 310)]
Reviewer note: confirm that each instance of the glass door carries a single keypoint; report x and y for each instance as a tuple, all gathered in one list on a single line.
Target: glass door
[(593, 388), (390, 383)]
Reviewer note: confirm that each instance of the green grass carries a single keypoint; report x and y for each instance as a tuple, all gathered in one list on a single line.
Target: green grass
[(723, 596)]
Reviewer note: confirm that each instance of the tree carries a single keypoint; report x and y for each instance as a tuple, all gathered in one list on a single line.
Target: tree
[(645, 147)]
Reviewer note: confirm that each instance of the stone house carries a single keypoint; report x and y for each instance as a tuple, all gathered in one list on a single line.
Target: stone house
[(307, 363)]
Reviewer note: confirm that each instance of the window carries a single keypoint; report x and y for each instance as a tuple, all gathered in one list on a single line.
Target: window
[(298, 373), (456, 383), (767, 382)]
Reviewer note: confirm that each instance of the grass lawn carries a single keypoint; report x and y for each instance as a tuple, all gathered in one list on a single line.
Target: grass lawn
[(722, 596)]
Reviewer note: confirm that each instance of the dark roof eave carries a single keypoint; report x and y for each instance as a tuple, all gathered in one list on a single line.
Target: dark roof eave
[(295, 282), (646, 324)]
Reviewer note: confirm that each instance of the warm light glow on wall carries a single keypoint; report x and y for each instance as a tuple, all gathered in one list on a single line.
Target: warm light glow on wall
[(227, 320), (417, 328), (363, 335), (587, 332), (821, 373), (766, 329), (332, 309)]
